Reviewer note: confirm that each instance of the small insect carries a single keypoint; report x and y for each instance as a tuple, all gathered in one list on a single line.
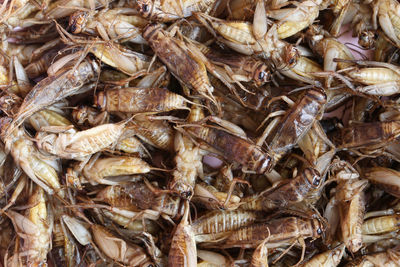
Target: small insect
[(118, 249), (183, 246), (164, 11), (391, 257), (368, 135), (183, 60), (351, 199), (55, 88), (216, 224), (116, 23), (278, 232), (70, 144), (296, 122), (232, 147), (138, 196), (286, 193), (385, 178), (381, 225), (239, 36), (103, 170), (35, 228), (328, 258), (139, 100)]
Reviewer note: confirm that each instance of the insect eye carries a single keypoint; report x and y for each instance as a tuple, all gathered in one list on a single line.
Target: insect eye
[(316, 181), (73, 28), (146, 8), (291, 61), (261, 75)]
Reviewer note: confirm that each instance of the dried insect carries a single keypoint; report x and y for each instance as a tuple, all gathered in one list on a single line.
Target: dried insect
[(70, 144), (240, 67), (55, 88), (35, 228), (139, 100), (156, 133), (293, 20), (42, 171), (286, 193), (103, 170), (232, 147), (118, 249), (371, 135), (183, 246), (211, 198), (139, 197), (351, 197), (390, 257), (296, 122), (185, 62), (279, 232), (170, 10), (116, 23), (329, 258), (216, 224), (380, 225), (387, 179), (238, 35)]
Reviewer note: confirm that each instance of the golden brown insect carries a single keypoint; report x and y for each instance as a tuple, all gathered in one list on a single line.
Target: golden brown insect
[(186, 63), (303, 71), (188, 166), (55, 88), (296, 123), (138, 196), (48, 117), (370, 135), (35, 228), (40, 66), (170, 10), (64, 248), (232, 147), (123, 59), (71, 144), (239, 36), (41, 170), (387, 13), (329, 258), (240, 67), (380, 225), (385, 178), (103, 170), (279, 232), (351, 197), (118, 249), (116, 23), (156, 133), (211, 198), (188, 160), (390, 258), (216, 224), (293, 20), (183, 246), (90, 115), (134, 225), (287, 193), (328, 49), (139, 100)]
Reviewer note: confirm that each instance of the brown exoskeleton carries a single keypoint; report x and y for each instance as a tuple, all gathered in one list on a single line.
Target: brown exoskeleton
[(286, 193), (231, 142), (296, 122)]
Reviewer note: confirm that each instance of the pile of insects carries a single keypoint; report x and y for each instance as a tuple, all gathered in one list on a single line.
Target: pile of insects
[(199, 133)]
